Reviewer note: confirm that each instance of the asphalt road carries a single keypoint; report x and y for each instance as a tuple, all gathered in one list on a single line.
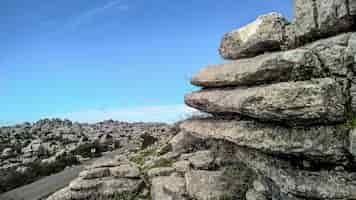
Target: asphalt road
[(50, 184)]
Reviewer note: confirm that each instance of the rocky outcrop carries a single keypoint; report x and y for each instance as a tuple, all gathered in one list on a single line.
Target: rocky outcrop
[(286, 115), (295, 65), (313, 19), (323, 143), (264, 33), (328, 57), (307, 102)]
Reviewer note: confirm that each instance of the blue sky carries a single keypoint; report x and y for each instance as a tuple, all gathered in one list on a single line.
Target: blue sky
[(90, 60)]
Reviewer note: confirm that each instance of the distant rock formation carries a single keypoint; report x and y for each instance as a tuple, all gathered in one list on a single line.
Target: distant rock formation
[(59, 143)]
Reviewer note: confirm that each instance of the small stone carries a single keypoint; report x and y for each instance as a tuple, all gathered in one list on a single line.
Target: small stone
[(160, 171), (95, 173), (125, 171), (182, 166)]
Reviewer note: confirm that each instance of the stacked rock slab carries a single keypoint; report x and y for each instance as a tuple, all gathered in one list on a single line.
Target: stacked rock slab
[(286, 100)]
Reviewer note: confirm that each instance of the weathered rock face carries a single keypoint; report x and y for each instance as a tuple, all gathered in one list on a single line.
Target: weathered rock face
[(313, 19), (322, 184), (266, 33), (305, 102), (329, 57), (293, 65), (287, 115), (168, 188), (106, 180), (321, 18), (205, 185), (324, 143)]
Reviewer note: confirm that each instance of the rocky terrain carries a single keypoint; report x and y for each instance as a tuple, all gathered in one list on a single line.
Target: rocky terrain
[(282, 120), (29, 151)]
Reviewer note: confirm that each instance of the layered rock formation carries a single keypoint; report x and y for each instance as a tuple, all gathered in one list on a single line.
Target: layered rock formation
[(287, 115)]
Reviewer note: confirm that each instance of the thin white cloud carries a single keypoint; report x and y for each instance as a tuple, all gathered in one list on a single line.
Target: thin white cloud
[(165, 113), (87, 15)]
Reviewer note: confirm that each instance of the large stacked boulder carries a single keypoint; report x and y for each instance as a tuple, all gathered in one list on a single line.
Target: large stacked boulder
[(284, 106)]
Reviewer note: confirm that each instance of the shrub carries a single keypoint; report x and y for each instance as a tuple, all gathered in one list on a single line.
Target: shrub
[(85, 150), (148, 140)]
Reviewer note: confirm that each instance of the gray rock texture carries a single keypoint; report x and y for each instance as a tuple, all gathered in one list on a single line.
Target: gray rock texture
[(331, 57), (320, 18), (168, 188), (264, 34), (305, 184), (305, 102), (206, 185), (293, 65), (323, 143)]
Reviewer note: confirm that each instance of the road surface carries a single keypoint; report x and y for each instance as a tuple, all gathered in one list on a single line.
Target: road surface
[(50, 184)]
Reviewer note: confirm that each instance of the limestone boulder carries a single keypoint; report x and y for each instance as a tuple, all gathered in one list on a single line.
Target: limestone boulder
[(168, 188), (200, 159), (295, 65), (264, 34), (331, 57), (318, 101), (81, 184), (8, 153), (95, 173), (184, 142), (125, 171), (114, 186), (182, 166), (318, 143)]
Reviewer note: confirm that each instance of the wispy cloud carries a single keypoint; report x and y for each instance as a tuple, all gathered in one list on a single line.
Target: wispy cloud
[(165, 113), (87, 15)]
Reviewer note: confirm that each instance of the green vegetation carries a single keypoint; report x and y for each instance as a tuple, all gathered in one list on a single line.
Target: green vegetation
[(350, 123), (140, 157), (90, 150)]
